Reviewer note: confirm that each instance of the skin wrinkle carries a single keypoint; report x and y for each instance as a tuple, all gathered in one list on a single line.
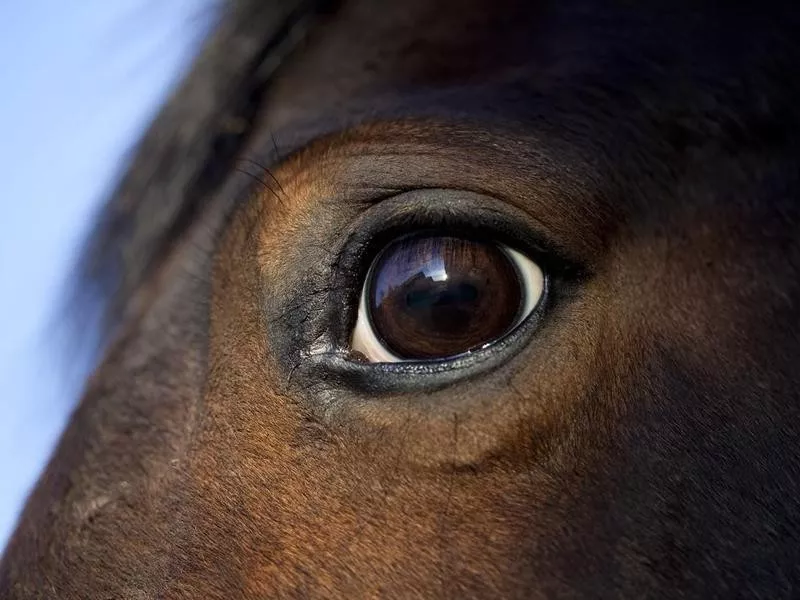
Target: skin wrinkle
[(642, 442)]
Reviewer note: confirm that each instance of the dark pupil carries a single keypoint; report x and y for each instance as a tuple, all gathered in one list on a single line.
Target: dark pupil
[(433, 297)]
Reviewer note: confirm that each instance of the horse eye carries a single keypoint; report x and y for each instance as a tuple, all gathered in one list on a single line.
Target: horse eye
[(435, 297)]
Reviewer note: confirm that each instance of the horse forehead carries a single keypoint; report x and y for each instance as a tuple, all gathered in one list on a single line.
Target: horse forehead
[(641, 89), (380, 48)]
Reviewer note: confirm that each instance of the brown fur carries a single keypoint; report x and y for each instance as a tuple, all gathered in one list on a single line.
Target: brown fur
[(645, 442)]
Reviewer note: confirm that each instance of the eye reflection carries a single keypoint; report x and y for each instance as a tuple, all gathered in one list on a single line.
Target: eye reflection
[(435, 297)]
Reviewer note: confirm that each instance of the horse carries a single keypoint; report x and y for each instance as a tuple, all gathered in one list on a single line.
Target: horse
[(465, 298)]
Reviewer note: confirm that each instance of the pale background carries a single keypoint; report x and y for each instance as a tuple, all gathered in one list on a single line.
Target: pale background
[(79, 81)]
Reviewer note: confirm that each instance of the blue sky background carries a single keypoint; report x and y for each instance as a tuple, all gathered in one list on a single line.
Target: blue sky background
[(79, 81)]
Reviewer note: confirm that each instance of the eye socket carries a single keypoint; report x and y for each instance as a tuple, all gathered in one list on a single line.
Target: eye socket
[(434, 297)]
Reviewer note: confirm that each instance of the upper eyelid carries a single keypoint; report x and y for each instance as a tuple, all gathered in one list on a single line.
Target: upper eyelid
[(422, 207), (386, 157)]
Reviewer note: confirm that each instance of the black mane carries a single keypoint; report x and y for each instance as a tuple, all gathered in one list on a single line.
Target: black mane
[(188, 151)]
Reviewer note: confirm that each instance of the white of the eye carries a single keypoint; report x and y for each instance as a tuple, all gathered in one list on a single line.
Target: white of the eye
[(365, 340), (532, 281)]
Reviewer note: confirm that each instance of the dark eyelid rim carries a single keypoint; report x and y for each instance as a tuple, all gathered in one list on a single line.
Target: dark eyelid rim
[(431, 375), (435, 209), (475, 215), (336, 367)]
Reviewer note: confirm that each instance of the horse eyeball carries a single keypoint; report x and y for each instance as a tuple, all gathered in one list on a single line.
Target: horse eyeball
[(435, 297)]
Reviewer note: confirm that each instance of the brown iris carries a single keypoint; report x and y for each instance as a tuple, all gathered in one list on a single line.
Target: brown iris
[(436, 296)]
